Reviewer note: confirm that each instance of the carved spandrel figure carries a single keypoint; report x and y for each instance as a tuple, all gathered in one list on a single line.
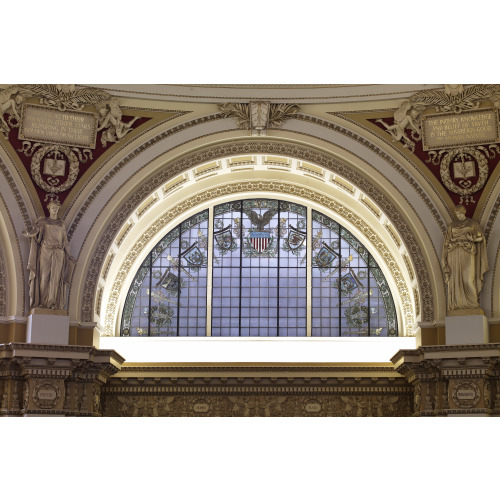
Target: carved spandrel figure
[(110, 121), (464, 261), (50, 262), (406, 117)]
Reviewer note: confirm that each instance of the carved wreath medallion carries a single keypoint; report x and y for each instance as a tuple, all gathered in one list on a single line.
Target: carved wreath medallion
[(51, 185), (46, 395), (466, 164), (466, 394)]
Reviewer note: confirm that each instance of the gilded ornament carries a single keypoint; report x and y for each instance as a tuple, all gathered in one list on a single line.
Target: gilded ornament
[(487, 394), (464, 162), (453, 105), (406, 117), (67, 102)]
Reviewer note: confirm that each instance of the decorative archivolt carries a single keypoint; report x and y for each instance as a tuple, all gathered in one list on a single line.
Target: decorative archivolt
[(3, 287), (299, 192), (425, 282)]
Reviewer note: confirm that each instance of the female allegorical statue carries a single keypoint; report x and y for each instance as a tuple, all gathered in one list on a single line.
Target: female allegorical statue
[(50, 261), (464, 261)]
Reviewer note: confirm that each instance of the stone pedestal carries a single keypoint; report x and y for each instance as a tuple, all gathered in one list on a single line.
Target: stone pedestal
[(466, 329), (48, 326), (53, 380), (452, 380)]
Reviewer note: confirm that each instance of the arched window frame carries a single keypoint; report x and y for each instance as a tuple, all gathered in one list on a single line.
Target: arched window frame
[(208, 216)]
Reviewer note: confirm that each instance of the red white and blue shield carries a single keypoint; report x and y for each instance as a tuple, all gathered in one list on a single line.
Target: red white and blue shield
[(260, 240)]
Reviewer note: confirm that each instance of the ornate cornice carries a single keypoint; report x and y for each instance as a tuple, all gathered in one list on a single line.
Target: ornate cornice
[(252, 368), (421, 351)]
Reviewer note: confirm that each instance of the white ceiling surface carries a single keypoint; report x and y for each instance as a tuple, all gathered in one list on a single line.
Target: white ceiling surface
[(252, 349)]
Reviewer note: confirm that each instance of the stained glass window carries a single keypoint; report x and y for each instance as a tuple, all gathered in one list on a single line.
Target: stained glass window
[(168, 296), (276, 269)]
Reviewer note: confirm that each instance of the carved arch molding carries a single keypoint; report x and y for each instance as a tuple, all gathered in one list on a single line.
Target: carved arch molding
[(171, 170), (3, 287)]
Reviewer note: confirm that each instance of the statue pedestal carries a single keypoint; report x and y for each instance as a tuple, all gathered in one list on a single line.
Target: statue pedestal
[(466, 328), (48, 326)]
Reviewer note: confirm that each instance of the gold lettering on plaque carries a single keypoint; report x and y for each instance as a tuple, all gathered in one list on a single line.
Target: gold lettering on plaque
[(69, 128), (465, 129)]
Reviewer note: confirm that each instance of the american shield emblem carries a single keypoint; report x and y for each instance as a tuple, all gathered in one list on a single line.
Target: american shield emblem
[(295, 238), (260, 240), (326, 256), (224, 238)]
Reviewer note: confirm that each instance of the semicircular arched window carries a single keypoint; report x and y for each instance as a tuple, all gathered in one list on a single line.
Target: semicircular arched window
[(262, 268)]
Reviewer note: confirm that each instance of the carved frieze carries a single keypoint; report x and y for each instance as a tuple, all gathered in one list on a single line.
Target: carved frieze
[(252, 405)]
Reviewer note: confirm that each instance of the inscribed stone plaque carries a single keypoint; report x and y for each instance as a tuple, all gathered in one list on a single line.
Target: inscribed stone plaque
[(69, 128), (46, 395), (468, 128), (466, 394)]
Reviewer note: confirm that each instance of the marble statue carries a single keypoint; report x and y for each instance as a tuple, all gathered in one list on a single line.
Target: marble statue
[(464, 261), (50, 262)]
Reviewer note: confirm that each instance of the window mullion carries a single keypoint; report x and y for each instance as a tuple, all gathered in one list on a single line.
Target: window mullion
[(210, 252), (309, 272)]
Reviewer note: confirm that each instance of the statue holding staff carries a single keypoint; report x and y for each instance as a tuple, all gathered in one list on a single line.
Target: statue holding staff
[(50, 262), (464, 261)]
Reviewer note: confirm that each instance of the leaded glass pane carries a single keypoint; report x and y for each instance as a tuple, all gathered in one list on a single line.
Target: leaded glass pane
[(350, 296), (259, 269), (169, 293)]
